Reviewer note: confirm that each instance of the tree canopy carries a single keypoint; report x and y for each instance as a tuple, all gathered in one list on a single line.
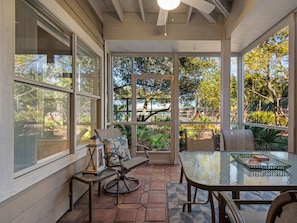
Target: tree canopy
[(266, 77)]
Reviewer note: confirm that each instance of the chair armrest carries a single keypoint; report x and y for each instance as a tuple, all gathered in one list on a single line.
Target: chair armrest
[(228, 210)]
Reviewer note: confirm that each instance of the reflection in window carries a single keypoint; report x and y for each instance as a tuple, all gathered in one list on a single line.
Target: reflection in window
[(86, 118), (43, 56), (43, 52), (87, 64), (41, 126)]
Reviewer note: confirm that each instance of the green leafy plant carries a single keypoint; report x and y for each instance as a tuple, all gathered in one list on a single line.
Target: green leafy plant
[(269, 139)]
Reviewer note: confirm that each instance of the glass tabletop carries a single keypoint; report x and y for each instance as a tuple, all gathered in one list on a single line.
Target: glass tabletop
[(218, 170)]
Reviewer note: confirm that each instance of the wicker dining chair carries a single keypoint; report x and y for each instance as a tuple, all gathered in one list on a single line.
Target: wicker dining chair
[(118, 156), (282, 210), (199, 140), (238, 140)]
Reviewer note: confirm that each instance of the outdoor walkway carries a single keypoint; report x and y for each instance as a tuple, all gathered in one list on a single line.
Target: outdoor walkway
[(147, 204)]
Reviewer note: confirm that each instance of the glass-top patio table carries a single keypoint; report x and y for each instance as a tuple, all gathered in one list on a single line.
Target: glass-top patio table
[(220, 171)]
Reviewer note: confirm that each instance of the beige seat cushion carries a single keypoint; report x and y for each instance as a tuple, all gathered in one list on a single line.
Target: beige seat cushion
[(135, 161), (249, 216)]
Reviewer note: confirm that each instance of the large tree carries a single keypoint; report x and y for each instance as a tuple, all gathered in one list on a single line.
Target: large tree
[(200, 83), (148, 90), (266, 76)]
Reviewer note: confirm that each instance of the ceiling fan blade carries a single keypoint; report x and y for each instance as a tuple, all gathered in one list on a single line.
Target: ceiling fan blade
[(201, 5), (162, 17)]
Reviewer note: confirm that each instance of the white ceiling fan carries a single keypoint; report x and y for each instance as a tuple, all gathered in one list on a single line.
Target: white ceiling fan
[(166, 5)]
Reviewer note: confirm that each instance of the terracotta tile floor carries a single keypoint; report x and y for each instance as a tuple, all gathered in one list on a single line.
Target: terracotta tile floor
[(147, 204)]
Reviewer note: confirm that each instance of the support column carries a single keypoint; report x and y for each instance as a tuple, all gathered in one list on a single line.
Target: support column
[(292, 136), (175, 113), (225, 85), (240, 92)]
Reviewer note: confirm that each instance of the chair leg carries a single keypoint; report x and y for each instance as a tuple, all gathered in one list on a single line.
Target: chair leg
[(201, 202), (126, 185), (195, 194), (209, 199), (181, 175)]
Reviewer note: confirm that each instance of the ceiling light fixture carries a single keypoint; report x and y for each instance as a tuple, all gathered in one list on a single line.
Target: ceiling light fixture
[(168, 4)]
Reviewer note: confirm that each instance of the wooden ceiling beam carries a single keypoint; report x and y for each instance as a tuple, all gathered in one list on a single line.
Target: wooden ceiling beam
[(97, 9), (189, 13), (209, 17), (119, 9), (223, 7), (142, 12)]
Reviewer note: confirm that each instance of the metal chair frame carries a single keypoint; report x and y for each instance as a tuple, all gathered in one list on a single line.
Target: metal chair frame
[(127, 184)]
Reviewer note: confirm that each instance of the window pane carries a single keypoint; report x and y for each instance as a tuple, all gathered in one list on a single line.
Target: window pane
[(204, 126), (199, 89), (43, 52), (122, 110), (122, 91), (266, 81), (86, 118), (153, 100), (41, 124), (156, 137), (108, 90), (88, 69), (153, 65), (234, 90)]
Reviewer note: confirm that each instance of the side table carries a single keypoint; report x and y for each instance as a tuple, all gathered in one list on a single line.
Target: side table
[(91, 179)]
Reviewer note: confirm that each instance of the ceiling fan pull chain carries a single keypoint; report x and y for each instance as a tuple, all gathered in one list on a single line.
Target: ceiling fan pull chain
[(165, 31)]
